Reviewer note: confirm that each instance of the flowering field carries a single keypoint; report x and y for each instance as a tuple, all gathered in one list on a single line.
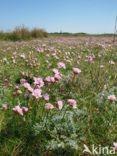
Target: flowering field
[(56, 95)]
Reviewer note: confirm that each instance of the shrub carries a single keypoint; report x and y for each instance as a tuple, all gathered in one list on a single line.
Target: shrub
[(37, 33), (23, 33)]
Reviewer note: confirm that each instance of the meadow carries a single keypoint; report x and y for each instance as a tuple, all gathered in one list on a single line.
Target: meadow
[(57, 94)]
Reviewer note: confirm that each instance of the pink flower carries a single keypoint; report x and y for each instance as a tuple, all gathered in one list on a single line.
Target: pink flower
[(111, 98), (55, 71), (38, 81), (14, 93), (115, 145), (47, 55), (59, 105), (30, 89), (16, 87), (49, 106), (76, 70), (72, 103), (52, 79), (19, 92), (79, 56), (91, 60), (48, 79), (6, 80), (57, 76), (101, 66), (22, 56), (26, 85), (24, 109), (112, 62), (37, 93), (4, 106), (46, 97), (18, 110), (23, 119), (61, 65), (14, 53)]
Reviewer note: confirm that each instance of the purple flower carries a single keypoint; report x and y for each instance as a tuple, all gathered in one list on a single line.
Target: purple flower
[(26, 96)]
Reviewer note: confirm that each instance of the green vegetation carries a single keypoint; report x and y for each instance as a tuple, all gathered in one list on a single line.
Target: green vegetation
[(23, 33), (54, 70)]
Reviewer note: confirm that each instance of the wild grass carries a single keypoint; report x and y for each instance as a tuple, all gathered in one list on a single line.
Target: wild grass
[(23, 33)]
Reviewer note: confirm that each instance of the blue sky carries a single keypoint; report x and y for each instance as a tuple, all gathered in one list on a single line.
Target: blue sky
[(90, 16)]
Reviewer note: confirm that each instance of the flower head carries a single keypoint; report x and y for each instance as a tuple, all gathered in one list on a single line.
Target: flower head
[(46, 97), (26, 85), (24, 109), (39, 82), (57, 77), (61, 65), (55, 71), (18, 110), (76, 70), (4, 106), (115, 145), (19, 92), (72, 103), (26, 96), (37, 93), (112, 62), (111, 98), (49, 106), (59, 105)]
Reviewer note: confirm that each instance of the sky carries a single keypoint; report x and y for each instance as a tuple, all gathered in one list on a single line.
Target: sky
[(89, 16)]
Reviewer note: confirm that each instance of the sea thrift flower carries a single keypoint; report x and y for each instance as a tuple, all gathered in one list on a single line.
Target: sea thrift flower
[(59, 105), (115, 145), (37, 93), (14, 53), (61, 65), (49, 106), (6, 80), (79, 57), (30, 89), (111, 98), (48, 79), (22, 56), (16, 87), (76, 70), (19, 92), (72, 103), (46, 96), (55, 71), (112, 62), (4, 106), (14, 93), (52, 79), (22, 81), (26, 85), (101, 66), (24, 109), (23, 119), (57, 76), (38, 81), (26, 96), (91, 60), (18, 110)]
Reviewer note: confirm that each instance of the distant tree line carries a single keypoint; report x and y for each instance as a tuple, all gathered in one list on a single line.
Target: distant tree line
[(23, 33)]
